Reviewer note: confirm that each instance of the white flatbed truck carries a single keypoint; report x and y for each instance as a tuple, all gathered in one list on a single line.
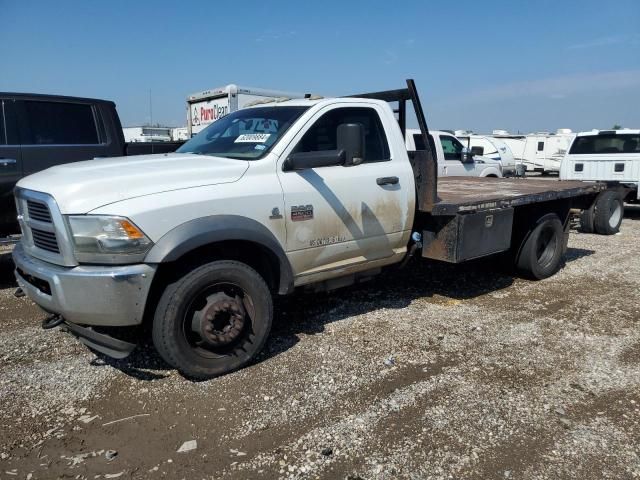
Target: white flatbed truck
[(307, 192)]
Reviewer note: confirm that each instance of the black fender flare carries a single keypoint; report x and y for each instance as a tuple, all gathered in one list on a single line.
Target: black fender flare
[(218, 228)]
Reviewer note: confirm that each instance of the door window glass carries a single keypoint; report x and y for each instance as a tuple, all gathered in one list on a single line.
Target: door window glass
[(58, 123), (322, 136), (451, 147), (540, 146)]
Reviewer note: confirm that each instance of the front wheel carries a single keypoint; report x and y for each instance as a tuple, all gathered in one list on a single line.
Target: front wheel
[(213, 320), (543, 248)]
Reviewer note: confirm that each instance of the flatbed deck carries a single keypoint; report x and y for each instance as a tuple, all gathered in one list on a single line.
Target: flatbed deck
[(473, 194)]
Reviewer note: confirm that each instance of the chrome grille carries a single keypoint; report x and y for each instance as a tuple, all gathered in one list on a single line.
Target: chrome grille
[(45, 240), (38, 211), (44, 232)]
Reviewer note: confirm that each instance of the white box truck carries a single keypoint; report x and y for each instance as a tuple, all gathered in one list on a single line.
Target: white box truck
[(204, 108)]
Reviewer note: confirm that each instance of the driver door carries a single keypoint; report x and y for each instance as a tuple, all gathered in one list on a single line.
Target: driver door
[(452, 151), (339, 218)]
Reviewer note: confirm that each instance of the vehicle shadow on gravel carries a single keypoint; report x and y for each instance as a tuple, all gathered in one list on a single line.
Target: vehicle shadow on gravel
[(308, 313), (7, 279), (632, 212)]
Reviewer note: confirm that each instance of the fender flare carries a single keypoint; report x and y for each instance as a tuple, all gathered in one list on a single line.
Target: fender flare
[(218, 228), (491, 171)]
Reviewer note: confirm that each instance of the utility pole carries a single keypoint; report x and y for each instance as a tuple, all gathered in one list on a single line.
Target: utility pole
[(150, 110)]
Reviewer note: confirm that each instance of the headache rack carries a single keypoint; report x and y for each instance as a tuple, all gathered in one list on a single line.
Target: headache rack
[(424, 163)]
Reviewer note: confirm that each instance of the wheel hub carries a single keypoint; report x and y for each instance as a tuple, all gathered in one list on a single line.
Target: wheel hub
[(221, 320)]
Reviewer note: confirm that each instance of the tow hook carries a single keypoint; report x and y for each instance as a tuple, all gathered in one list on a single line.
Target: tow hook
[(19, 293), (52, 321)]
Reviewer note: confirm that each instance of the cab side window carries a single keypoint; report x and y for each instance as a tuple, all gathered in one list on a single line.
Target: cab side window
[(322, 135), (451, 147), (59, 123)]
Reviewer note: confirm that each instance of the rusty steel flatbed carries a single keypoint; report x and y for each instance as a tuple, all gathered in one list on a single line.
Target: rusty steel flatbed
[(473, 194)]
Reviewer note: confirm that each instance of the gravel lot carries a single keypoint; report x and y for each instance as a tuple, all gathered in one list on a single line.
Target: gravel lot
[(436, 371)]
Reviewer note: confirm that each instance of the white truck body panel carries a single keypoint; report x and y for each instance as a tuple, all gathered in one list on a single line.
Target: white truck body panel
[(204, 108), (620, 164), (453, 166)]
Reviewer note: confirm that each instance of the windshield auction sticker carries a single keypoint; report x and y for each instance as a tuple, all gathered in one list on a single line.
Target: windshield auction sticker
[(252, 138)]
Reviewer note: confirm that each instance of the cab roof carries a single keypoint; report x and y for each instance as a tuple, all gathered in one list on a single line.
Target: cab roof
[(622, 131)]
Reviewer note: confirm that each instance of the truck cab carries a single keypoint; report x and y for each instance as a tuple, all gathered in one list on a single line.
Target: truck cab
[(454, 159)]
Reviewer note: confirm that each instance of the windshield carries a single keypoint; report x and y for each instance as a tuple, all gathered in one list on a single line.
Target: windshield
[(246, 134), (606, 143)]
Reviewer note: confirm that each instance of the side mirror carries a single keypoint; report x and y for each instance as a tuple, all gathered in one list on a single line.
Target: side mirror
[(306, 160), (477, 150), (350, 140), (466, 156)]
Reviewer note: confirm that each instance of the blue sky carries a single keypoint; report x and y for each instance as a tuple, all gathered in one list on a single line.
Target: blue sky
[(522, 66)]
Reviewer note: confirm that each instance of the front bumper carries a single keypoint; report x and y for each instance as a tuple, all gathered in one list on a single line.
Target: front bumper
[(111, 296)]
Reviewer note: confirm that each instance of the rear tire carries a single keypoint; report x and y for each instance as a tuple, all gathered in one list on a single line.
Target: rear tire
[(213, 320), (543, 249), (608, 212), (587, 220)]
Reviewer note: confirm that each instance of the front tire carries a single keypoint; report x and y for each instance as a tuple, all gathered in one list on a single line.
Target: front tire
[(213, 320), (543, 249), (608, 212)]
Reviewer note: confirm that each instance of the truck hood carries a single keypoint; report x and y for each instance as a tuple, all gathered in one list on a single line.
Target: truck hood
[(84, 186)]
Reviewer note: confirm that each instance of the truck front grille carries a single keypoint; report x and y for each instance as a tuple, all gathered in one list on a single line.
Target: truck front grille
[(38, 211), (45, 240), (44, 231)]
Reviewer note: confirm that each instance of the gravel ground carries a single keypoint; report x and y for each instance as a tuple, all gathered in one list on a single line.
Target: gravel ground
[(436, 371)]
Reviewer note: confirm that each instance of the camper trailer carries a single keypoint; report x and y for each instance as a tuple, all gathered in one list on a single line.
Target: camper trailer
[(540, 152), (206, 107)]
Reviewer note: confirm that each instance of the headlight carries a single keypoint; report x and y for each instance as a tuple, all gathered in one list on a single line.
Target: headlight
[(107, 239)]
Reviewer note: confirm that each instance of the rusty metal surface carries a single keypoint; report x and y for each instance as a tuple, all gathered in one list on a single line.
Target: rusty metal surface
[(467, 194)]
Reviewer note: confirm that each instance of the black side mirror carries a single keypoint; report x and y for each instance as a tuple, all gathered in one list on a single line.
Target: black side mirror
[(350, 140), (477, 150), (305, 160), (466, 156)]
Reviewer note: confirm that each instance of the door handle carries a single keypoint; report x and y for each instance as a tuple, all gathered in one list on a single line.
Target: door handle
[(387, 181), (5, 162)]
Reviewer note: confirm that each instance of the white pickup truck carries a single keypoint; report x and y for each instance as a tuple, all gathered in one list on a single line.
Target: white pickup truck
[(454, 160), (611, 156), (307, 192)]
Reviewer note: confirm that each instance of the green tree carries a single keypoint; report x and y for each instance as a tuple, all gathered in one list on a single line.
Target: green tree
[(616, 127)]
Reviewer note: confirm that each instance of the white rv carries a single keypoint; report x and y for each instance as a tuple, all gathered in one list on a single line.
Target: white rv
[(206, 107), (494, 148), (540, 152)]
